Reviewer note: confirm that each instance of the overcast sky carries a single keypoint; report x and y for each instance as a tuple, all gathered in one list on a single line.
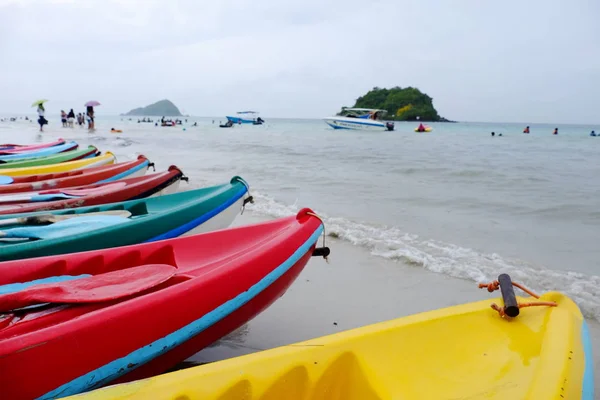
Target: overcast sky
[(512, 60)]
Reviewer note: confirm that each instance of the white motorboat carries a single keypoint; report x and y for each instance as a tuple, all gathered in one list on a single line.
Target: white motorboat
[(360, 119)]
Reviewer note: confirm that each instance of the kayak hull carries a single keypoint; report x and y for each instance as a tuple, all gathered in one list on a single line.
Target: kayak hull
[(208, 297), (153, 219), (6, 149), (89, 195), (43, 152), (100, 160), (355, 124), (106, 173), (73, 155), (466, 351)]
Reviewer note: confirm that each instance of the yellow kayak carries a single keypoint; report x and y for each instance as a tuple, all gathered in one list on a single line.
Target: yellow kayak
[(463, 352), (105, 159), (427, 129)]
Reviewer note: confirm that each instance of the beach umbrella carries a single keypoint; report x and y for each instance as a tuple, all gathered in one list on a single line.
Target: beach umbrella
[(92, 103), (37, 103)]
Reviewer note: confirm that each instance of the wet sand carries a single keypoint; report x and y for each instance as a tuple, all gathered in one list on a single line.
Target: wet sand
[(353, 290)]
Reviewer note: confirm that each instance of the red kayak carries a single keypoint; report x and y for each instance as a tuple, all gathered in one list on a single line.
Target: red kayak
[(105, 173), (91, 195), (126, 313), (6, 149)]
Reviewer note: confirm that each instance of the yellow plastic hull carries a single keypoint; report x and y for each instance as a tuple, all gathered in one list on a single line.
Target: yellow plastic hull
[(426, 130), (105, 159), (462, 352)]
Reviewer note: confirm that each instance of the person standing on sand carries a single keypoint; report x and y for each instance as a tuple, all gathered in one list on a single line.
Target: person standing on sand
[(41, 120), (63, 118)]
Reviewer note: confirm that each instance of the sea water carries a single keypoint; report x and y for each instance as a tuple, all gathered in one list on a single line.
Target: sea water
[(455, 201)]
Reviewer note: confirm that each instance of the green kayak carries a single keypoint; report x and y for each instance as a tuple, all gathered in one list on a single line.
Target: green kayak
[(73, 155), (152, 219)]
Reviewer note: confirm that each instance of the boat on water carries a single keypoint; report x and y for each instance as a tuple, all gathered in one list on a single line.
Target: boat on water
[(81, 321), (152, 219), (368, 119), (246, 117), (469, 351)]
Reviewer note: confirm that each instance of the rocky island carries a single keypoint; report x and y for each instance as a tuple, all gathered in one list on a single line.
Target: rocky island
[(402, 104), (160, 108)]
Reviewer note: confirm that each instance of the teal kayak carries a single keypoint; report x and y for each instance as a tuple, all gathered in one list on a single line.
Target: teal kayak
[(152, 219), (72, 155)]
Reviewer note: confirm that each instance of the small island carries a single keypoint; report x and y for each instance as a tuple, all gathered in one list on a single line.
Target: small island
[(160, 108), (408, 104)]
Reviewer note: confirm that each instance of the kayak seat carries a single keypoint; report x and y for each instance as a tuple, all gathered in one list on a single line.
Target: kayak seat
[(138, 209), (343, 379)]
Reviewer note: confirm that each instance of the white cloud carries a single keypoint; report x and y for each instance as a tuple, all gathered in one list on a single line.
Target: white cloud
[(523, 61)]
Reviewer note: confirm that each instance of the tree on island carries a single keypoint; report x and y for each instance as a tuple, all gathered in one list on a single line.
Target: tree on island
[(408, 104)]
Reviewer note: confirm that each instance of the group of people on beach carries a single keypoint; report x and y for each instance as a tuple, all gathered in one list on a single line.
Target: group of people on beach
[(68, 119)]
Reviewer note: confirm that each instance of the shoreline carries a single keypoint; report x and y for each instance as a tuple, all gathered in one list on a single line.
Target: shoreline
[(353, 290)]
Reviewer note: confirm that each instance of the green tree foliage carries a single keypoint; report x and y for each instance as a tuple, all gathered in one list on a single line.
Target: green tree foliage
[(401, 104)]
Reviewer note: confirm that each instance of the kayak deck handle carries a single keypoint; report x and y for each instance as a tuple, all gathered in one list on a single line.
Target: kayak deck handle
[(321, 252), (248, 199), (511, 305), (151, 164)]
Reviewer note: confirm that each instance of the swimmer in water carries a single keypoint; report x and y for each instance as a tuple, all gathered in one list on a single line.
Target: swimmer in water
[(526, 130), (555, 131), (493, 134)]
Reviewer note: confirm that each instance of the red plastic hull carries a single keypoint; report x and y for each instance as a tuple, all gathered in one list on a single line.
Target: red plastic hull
[(28, 183), (102, 193), (19, 148), (224, 279)]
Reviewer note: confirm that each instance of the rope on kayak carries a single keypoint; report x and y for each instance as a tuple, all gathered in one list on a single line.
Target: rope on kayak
[(495, 285), (323, 251)]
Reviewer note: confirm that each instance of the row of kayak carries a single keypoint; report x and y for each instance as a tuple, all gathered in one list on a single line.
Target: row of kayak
[(111, 275)]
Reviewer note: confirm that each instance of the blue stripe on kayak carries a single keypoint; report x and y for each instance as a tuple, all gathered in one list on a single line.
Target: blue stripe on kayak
[(587, 390), (126, 173), (180, 230), (117, 368), (337, 126), (17, 287), (41, 152)]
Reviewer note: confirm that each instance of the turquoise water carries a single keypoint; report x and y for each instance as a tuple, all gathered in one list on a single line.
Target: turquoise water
[(455, 201)]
